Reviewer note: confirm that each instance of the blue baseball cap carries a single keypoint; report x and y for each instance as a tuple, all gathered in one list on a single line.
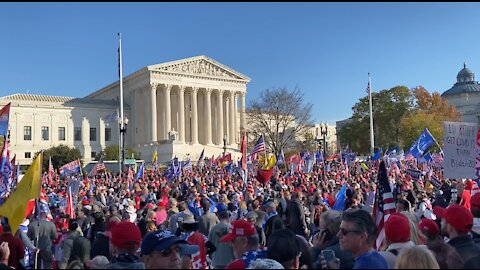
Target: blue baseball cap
[(221, 207), (159, 241)]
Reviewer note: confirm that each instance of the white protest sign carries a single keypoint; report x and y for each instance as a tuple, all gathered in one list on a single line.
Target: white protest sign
[(459, 150)]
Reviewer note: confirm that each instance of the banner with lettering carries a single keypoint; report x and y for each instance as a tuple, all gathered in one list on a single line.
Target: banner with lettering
[(459, 139), (415, 174)]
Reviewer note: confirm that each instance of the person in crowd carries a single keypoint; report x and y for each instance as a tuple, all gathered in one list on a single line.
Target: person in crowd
[(272, 217), (403, 205), (416, 257), (244, 241), (192, 236), (75, 246), (224, 253), (208, 219), (252, 218), (357, 234), (284, 247), (397, 237), (98, 226), (475, 209), (15, 245), (447, 256), (430, 229), (125, 239), (43, 233), (326, 239), (98, 262), (261, 215), (416, 235), (177, 218), (162, 250), (297, 220), (265, 264), (457, 222)]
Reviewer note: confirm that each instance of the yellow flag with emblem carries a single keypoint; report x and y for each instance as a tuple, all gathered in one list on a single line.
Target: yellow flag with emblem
[(29, 188)]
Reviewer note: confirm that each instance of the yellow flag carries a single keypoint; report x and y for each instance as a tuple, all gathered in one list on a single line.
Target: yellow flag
[(268, 162), (29, 188), (364, 166)]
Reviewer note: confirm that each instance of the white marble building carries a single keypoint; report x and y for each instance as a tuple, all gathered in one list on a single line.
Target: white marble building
[(179, 107)]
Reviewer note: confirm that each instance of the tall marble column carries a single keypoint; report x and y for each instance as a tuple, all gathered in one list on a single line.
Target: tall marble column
[(231, 124), (208, 111), (168, 112), (220, 117), (242, 113), (194, 130), (181, 113), (153, 111)]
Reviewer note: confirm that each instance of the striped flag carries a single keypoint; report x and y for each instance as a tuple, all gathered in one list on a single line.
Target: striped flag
[(4, 116), (70, 168), (201, 158), (51, 171), (98, 168), (259, 146), (384, 205)]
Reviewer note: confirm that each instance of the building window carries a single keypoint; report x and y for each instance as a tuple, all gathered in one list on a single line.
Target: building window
[(61, 133), (45, 134), (93, 134), (78, 133), (27, 133), (28, 155), (108, 134)]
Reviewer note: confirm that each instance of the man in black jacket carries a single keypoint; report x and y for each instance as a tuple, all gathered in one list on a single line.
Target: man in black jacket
[(297, 220), (272, 218)]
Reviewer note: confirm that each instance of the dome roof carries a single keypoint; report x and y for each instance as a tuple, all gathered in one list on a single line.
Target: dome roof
[(465, 83)]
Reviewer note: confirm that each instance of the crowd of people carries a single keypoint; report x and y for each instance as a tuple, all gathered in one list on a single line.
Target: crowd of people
[(208, 218)]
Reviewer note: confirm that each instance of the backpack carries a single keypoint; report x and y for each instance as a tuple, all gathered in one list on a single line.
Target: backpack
[(80, 249)]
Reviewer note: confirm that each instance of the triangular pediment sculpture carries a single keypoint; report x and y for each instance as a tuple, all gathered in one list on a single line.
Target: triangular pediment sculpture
[(200, 65)]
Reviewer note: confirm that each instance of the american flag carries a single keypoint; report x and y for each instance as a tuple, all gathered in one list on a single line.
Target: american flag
[(51, 171), (259, 146), (98, 168), (368, 88), (384, 205)]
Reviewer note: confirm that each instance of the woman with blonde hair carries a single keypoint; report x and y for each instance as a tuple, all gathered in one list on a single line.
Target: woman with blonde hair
[(416, 236), (416, 257)]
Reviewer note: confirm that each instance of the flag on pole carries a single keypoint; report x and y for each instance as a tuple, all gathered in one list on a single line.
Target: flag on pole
[(5, 171), (281, 157), (340, 199), (70, 168), (243, 149), (155, 159), (259, 146), (368, 88), (140, 171), (98, 168), (201, 158), (4, 116), (15, 206), (384, 205), (70, 210), (421, 144), (51, 171)]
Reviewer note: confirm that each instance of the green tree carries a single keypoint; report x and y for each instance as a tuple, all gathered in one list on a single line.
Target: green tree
[(111, 152), (430, 111), (61, 155), (388, 108), (281, 115)]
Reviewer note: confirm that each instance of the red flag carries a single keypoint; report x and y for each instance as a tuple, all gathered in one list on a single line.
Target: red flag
[(30, 206), (264, 175), (70, 211), (295, 158), (243, 149)]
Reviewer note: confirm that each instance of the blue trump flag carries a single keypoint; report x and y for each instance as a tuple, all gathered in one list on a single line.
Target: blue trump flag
[(340, 200), (281, 157), (422, 144), (377, 155), (140, 172)]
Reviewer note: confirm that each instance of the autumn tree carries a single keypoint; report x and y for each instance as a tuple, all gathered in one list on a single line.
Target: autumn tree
[(281, 115), (430, 111), (388, 106)]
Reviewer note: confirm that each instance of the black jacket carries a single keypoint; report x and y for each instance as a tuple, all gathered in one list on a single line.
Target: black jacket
[(100, 246), (297, 221), (465, 247)]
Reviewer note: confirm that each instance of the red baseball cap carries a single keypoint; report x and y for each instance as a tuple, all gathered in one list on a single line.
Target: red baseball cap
[(239, 228), (125, 235), (457, 216), (475, 200), (429, 227)]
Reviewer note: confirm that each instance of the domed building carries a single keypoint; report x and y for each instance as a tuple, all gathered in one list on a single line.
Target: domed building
[(465, 95)]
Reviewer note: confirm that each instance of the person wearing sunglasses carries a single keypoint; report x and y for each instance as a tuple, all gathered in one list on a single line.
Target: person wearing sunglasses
[(163, 250), (357, 234)]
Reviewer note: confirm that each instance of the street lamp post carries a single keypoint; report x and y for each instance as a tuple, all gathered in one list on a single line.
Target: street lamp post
[(224, 144), (324, 132), (123, 131)]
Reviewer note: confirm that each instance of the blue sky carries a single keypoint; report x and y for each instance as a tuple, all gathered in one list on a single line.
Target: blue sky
[(326, 49)]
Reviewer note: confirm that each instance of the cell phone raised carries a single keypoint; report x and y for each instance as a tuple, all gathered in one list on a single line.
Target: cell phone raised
[(328, 254)]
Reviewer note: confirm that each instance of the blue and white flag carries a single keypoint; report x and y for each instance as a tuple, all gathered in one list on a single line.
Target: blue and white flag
[(281, 157), (187, 165), (70, 168), (377, 155), (340, 199), (140, 172), (426, 158), (422, 144), (319, 156)]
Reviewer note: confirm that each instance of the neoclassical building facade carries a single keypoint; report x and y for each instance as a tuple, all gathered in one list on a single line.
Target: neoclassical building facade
[(179, 108)]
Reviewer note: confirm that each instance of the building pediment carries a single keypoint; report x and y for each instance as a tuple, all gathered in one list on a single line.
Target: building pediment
[(200, 65)]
